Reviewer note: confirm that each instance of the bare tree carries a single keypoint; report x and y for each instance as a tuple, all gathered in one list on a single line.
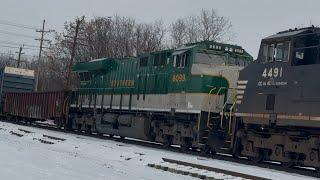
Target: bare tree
[(149, 37), (121, 37), (212, 26), (179, 32), (207, 26), (101, 37)]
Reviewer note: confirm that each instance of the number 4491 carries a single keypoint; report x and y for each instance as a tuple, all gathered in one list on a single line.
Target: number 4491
[(272, 72)]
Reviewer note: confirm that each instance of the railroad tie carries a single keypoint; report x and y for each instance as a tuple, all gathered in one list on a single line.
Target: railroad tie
[(16, 134), (182, 170)]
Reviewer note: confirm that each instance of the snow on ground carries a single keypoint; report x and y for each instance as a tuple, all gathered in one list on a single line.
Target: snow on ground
[(80, 157)]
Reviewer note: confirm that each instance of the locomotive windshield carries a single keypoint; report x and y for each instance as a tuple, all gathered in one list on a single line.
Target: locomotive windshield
[(275, 52)]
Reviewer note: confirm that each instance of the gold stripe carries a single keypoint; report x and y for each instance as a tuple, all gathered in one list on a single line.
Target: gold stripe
[(314, 118), (293, 117), (253, 115)]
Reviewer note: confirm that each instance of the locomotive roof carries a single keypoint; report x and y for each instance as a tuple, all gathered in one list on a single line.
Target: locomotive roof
[(291, 32)]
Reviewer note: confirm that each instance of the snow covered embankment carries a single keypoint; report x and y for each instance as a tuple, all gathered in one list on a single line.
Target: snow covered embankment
[(26, 155)]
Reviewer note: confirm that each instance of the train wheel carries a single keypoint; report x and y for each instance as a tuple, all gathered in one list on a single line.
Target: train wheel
[(186, 144), (79, 128), (167, 141), (257, 159), (288, 164), (194, 149), (292, 162), (237, 152), (99, 133), (206, 149), (88, 131)]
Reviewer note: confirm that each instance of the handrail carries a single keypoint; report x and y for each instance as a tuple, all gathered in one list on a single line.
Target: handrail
[(225, 104), (199, 120), (209, 110), (230, 117), (212, 89)]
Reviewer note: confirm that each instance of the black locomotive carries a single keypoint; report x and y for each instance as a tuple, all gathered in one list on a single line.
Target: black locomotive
[(278, 100)]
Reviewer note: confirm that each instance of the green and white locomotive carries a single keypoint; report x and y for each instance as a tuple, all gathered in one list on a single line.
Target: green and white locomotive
[(181, 96)]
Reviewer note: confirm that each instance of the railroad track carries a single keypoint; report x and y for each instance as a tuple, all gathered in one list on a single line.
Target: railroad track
[(268, 165), (199, 171)]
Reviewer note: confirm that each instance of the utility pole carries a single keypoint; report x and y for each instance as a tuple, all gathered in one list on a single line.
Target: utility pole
[(42, 31), (72, 54), (19, 57)]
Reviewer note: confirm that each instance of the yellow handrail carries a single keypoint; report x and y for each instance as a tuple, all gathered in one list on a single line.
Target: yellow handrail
[(230, 117), (212, 89), (225, 104), (209, 110)]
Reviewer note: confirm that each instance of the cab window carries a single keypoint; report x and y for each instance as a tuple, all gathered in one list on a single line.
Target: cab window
[(264, 53), (306, 51), (275, 52), (144, 61), (180, 61), (85, 76)]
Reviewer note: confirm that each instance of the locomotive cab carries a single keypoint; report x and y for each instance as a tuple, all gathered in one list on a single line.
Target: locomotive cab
[(278, 100)]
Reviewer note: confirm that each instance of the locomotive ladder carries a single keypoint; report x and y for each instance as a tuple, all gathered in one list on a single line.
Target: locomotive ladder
[(205, 100), (206, 127), (209, 125), (226, 113)]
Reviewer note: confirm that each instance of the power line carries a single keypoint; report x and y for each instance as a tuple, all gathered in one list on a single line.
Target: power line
[(15, 43), (16, 34), (17, 25), (17, 47), (27, 46), (9, 46), (12, 54)]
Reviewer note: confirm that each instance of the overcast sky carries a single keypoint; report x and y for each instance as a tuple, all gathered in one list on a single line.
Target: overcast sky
[(251, 19)]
